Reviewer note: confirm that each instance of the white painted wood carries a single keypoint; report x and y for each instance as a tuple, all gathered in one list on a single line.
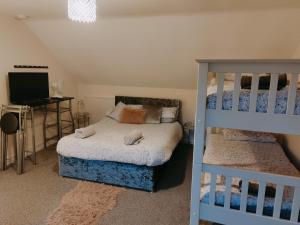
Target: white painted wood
[(272, 93), (296, 205), (292, 94), (212, 193), (220, 88), (252, 175), (244, 195), (261, 197), (253, 66), (278, 201), (253, 93), (269, 122), (228, 184), (276, 123), (252, 61), (199, 143), (236, 92), (234, 217)]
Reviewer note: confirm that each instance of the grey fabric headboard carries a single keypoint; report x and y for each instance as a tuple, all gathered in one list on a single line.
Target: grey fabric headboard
[(150, 101)]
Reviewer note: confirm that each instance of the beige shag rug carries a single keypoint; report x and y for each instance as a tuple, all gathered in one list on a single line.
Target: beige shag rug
[(85, 204)]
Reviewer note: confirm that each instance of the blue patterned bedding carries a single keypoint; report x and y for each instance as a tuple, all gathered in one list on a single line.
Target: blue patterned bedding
[(262, 101), (251, 203), (252, 156)]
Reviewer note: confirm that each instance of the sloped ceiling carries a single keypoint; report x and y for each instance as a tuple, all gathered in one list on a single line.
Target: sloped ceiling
[(155, 42), (39, 9)]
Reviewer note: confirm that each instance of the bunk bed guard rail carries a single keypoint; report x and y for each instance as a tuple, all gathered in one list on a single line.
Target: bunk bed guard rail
[(269, 121)]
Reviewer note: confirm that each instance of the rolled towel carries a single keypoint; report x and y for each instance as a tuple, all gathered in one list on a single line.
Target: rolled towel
[(85, 132), (134, 137)]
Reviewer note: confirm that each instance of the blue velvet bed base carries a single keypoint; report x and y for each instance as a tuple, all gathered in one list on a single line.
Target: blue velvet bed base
[(115, 173)]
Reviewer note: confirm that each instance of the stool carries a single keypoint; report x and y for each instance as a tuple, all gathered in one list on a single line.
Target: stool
[(13, 122), (10, 126)]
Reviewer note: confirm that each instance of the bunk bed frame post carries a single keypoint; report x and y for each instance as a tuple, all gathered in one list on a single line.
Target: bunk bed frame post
[(199, 143)]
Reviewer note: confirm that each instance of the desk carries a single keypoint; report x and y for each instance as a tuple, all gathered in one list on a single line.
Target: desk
[(44, 106)]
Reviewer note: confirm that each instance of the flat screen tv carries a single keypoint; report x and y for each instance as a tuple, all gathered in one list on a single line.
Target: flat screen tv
[(28, 86)]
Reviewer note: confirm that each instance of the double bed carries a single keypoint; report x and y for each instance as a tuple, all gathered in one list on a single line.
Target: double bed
[(105, 158)]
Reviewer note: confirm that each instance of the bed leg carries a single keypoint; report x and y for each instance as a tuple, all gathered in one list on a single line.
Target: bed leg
[(199, 144), (195, 193)]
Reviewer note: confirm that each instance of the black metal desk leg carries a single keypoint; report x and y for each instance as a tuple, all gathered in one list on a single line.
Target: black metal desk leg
[(71, 115), (33, 136), (58, 118), (45, 127)]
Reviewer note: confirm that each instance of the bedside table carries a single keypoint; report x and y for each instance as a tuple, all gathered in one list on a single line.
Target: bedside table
[(188, 133), (82, 119)]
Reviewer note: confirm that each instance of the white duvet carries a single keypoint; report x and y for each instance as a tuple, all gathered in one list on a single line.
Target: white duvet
[(107, 144)]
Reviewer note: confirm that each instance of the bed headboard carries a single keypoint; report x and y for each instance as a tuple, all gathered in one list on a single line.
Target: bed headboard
[(150, 101)]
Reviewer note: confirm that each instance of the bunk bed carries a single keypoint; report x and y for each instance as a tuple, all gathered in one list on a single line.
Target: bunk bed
[(268, 111)]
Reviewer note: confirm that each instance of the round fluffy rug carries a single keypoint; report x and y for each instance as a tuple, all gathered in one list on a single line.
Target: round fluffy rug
[(85, 204)]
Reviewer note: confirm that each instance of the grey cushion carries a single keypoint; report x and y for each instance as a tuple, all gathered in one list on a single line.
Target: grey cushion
[(153, 114)]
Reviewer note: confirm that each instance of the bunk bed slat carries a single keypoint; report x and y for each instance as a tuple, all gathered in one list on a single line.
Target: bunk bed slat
[(228, 192), (250, 175), (253, 93), (220, 83), (212, 193), (296, 205), (236, 92), (278, 201), (244, 195), (292, 95), (261, 198), (272, 93)]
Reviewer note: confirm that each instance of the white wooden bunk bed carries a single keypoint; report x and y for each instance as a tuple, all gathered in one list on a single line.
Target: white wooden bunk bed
[(271, 119)]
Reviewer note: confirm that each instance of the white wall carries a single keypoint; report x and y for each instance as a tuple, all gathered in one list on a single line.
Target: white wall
[(100, 98), (122, 55), (18, 45)]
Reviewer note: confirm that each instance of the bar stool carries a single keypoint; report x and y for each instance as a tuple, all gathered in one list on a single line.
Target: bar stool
[(10, 126)]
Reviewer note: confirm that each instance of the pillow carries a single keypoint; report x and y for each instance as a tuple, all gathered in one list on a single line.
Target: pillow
[(229, 76), (264, 82), (133, 116), (153, 114), (242, 135), (115, 113), (169, 114)]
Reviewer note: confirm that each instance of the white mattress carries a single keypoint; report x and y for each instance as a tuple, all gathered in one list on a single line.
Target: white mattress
[(157, 147)]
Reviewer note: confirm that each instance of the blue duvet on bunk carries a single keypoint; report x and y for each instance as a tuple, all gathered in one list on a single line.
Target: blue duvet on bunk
[(246, 155), (261, 104), (235, 201)]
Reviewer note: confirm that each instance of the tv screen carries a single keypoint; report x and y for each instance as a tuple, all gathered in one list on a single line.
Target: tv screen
[(28, 86)]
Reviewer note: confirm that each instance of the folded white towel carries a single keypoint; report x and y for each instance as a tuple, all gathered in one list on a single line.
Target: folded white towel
[(134, 137), (85, 132)]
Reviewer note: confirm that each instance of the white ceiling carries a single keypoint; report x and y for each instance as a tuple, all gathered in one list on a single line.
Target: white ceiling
[(146, 43), (39, 9)]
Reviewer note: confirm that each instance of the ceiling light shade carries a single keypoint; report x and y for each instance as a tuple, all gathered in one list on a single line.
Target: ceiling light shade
[(84, 11)]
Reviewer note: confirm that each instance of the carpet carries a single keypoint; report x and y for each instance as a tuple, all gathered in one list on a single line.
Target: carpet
[(85, 204)]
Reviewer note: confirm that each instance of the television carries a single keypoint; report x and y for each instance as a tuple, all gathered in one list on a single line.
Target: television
[(25, 87)]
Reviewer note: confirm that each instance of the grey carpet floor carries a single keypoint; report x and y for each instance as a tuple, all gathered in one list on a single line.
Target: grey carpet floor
[(28, 199)]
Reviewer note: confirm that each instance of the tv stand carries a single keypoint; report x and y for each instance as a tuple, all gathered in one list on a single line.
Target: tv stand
[(58, 109), (50, 105)]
